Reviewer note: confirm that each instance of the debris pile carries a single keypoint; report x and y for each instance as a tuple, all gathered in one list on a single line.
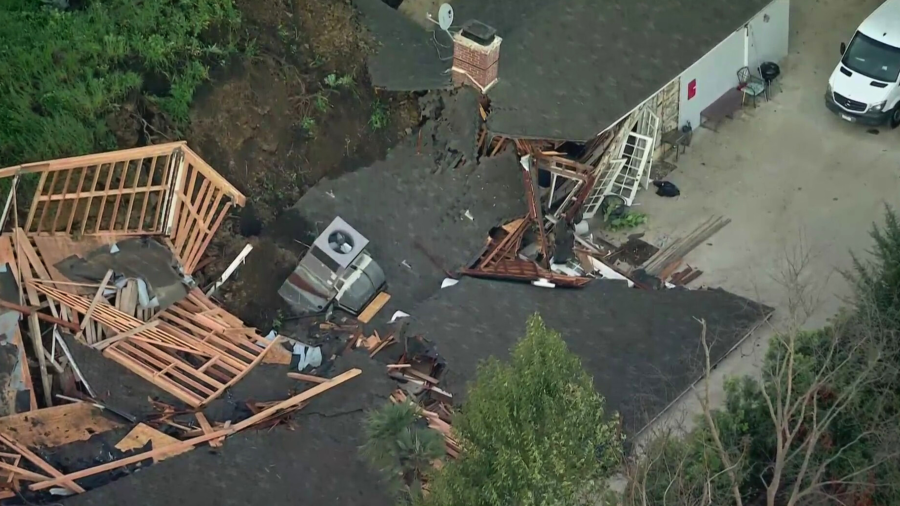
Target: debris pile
[(103, 262)]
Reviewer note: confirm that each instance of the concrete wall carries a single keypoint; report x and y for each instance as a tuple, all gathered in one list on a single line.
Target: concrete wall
[(712, 75), (767, 34)]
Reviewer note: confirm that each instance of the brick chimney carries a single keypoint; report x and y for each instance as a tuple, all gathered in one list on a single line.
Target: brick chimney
[(476, 53)]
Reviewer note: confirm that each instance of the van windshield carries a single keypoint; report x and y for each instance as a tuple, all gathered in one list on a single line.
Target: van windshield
[(872, 58)]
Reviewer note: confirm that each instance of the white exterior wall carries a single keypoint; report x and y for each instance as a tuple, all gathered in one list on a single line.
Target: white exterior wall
[(764, 38), (767, 34), (715, 74)]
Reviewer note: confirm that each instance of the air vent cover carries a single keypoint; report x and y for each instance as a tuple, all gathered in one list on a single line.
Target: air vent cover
[(341, 242)]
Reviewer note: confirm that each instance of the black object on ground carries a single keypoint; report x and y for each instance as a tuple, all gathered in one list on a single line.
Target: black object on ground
[(666, 189)]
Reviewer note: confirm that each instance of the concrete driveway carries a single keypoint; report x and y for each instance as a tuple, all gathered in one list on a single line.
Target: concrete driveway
[(789, 174)]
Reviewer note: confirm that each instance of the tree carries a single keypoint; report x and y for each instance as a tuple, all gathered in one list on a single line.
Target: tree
[(532, 431), (818, 426), (399, 444)]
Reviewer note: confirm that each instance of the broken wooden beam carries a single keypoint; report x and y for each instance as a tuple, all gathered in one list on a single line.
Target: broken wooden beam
[(374, 307), (422, 376), (59, 478), (124, 335), (134, 459), (297, 399), (307, 377), (96, 300), (27, 311)]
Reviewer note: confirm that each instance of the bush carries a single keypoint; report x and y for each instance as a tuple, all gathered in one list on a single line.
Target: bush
[(842, 380), (533, 431), (64, 69), (399, 444)]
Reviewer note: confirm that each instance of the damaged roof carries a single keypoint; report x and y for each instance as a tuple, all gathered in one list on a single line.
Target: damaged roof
[(642, 347), (318, 463), (422, 216), (569, 69)]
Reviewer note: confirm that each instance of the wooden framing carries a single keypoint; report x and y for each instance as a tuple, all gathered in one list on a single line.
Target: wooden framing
[(191, 353), (164, 189), (199, 205)]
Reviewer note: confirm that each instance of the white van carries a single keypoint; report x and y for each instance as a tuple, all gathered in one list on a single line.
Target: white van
[(865, 86)]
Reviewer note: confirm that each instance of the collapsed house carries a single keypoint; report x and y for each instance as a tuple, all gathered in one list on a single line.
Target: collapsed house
[(466, 264), (595, 92)]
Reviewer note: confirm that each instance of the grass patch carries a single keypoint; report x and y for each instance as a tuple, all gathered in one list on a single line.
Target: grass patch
[(380, 116), (64, 70)]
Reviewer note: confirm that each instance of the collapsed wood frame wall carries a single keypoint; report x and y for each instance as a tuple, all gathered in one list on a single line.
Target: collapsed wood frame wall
[(163, 190), (193, 358), (193, 349)]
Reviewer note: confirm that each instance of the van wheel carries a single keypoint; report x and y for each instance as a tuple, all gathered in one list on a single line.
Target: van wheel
[(895, 117)]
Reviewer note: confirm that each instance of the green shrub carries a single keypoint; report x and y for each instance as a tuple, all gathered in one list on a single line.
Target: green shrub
[(64, 70), (400, 445)]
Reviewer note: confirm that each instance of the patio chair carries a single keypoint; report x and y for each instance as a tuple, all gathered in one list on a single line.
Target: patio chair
[(752, 85)]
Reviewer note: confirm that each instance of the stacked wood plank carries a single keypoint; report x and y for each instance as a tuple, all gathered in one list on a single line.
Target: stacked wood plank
[(667, 260), (188, 354)]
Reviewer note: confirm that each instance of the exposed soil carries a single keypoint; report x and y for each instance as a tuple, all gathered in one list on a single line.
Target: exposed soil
[(635, 252), (274, 123)]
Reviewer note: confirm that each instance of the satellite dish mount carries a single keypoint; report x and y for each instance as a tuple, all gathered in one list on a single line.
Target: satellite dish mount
[(445, 21)]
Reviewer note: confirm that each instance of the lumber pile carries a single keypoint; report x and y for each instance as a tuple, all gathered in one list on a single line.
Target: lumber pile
[(172, 354), (664, 263)]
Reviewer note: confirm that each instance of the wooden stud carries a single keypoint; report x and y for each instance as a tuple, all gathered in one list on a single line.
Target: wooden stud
[(134, 459), (374, 307), (499, 145), (59, 207), (190, 267), (94, 159), (134, 190), (192, 219), (96, 300), (166, 197), (297, 399), (422, 376), (24, 473), (215, 177), (34, 201), (193, 252), (155, 355), (112, 222), (87, 210), (84, 171), (125, 335), (182, 202), (112, 169), (307, 377), (46, 205), (147, 192), (40, 463)]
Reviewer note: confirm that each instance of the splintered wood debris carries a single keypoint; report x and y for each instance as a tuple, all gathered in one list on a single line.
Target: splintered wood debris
[(190, 347)]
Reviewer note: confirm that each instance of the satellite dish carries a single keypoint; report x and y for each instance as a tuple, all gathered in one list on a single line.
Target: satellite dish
[(445, 16)]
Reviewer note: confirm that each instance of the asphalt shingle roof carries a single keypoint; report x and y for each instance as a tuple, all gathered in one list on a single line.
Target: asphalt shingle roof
[(568, 68)]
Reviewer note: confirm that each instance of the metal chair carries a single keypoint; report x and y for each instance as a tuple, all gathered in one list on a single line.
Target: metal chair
[(752, 85)]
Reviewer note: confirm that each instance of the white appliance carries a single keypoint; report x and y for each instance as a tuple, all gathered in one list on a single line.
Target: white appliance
[(336, 268)]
